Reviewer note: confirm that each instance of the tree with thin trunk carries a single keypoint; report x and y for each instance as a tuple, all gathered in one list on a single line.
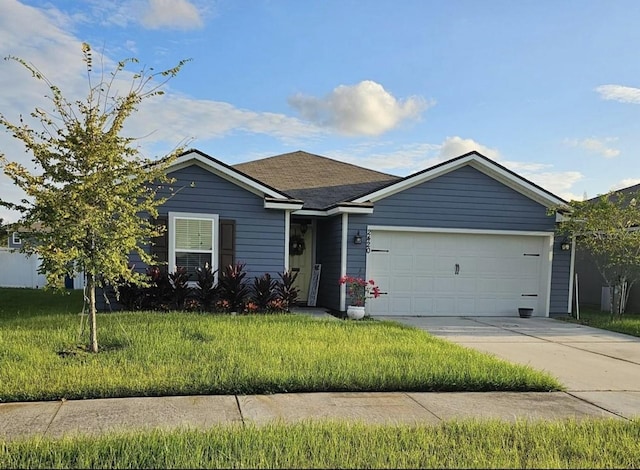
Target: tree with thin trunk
[(609, 229), (92, 193)]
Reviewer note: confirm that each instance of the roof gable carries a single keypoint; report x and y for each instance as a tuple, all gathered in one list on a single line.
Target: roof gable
[(480, 163), (196, 157)]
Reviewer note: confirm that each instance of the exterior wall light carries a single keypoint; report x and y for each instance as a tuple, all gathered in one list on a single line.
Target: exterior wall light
[(357, 239), (565, 245)]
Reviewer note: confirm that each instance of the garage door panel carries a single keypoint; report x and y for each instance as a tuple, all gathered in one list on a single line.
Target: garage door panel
[(421, 284), (419, 273), (465, 286), (443, 285), (400, 263), (402, 305), (423, 264), (444, 264), (444, 306)]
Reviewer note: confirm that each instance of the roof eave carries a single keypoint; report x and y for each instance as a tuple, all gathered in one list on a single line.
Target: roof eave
[(225, 171), (284, 204), (480, 163)]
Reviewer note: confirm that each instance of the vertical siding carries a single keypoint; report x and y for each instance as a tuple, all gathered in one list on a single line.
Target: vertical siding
[(259, 231), (328, 241), (464, 199)]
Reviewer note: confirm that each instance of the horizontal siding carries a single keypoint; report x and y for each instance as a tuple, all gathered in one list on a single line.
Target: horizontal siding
[(259, 231), (328, 242), (464, 198)]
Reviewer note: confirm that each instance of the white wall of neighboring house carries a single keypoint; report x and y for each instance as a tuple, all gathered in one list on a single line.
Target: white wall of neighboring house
[(20, 270)]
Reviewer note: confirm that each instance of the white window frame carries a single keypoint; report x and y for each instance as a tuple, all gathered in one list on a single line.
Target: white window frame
[(16, 239), (214, 218)]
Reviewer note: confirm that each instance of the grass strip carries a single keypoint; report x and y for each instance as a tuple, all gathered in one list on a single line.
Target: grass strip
[(628, 324), (156, 354), (464, 444)]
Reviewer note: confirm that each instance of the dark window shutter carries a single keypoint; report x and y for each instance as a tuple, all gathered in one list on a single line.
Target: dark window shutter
[(227, 246), (160, 246)]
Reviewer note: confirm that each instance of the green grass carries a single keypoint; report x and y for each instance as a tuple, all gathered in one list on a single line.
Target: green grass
[(466, 444), (155, 354), (629, 323)]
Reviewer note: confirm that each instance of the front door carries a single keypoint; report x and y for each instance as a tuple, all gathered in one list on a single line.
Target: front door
[(300, 257)]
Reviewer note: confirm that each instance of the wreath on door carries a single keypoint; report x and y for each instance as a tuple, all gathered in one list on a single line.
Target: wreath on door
[(296, 245)]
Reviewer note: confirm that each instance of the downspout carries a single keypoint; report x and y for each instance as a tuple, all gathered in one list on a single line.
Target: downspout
[(287, 234), (343, 261)]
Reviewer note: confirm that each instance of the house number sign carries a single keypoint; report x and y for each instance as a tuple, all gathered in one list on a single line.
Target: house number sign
[(368, 241)]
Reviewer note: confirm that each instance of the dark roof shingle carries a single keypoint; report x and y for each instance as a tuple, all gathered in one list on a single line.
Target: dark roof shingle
[(319, 181)]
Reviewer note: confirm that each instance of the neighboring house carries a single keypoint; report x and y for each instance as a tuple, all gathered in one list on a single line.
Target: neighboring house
[(466, 237), (592, 290), (20, 270)]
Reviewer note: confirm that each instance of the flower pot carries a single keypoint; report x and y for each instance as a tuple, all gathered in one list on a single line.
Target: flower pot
[(525, 312), (354, 312)]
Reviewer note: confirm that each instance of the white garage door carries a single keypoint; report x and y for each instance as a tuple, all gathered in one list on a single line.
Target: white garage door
[(457, 274)]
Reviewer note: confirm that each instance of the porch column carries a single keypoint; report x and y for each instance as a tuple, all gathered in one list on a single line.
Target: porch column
[(287, 233), (343, 260)]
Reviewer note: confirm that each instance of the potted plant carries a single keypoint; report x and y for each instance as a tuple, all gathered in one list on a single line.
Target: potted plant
[(525, 312), (358, 290)]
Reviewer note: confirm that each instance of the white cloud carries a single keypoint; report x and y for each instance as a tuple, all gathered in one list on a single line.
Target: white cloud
[(624, 94), (558, 182), (625, 183), (172, 118), (44, 40), (387, 158), (362, 109), (598, 146), (456, 146), (176, 14), (150, 14), (408, 159)]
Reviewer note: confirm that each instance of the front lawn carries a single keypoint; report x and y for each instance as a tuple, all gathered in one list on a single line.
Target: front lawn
[(155, 354), (628, 324), (468, 444)]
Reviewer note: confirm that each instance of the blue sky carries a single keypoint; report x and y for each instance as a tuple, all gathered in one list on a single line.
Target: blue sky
[(550, 89)]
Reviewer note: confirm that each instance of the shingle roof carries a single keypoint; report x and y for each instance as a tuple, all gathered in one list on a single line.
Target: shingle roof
[(628, 191), (319, 181)]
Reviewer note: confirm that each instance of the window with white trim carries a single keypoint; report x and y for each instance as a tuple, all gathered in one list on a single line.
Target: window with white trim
[(192, 241), (16, 240)]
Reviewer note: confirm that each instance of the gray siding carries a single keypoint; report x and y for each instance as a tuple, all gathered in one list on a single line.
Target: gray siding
[(464, 199), (259, 231), (357, 254), (560, 277), (328, 241)]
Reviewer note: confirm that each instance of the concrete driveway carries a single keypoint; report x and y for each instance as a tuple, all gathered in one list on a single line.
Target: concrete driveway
[(597, 366)]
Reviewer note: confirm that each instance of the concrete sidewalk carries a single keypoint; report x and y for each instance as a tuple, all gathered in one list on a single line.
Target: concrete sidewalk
[(60, 418)]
